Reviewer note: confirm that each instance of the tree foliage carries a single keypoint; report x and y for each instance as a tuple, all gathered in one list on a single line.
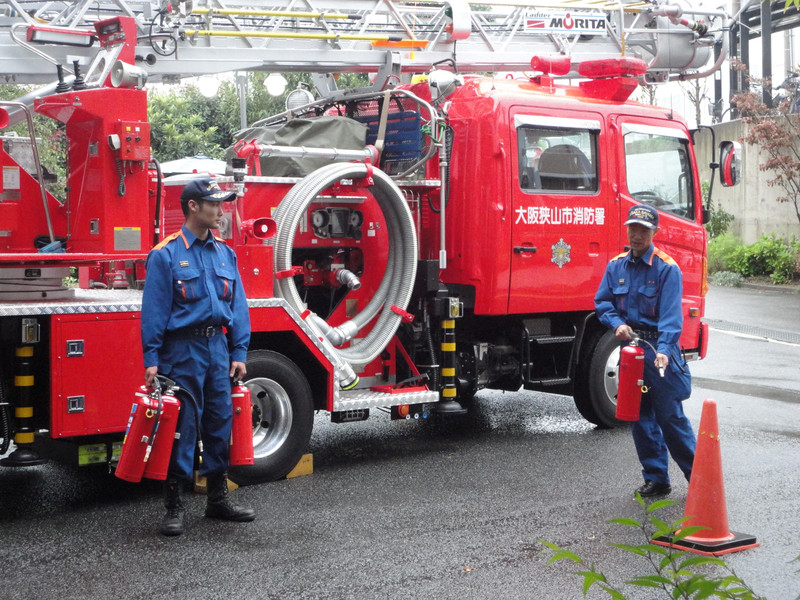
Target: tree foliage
[(647, 93), (51, 144), (177, 130), (184, 122), (775, 132), (719, 219), (696, 90)]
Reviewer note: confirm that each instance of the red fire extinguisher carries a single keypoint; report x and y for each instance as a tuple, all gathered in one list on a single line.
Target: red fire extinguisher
[(241, 451), (147, 446), (630, 381)]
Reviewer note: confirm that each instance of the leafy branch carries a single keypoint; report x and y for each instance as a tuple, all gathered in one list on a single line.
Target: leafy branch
[(774, 130), (673, 569)]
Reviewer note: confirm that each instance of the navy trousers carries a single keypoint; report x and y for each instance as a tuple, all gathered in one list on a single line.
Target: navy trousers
[(663, 428), (201, 366)]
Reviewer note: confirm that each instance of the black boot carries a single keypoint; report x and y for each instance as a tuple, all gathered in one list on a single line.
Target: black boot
[(218, 505), (174, 521)]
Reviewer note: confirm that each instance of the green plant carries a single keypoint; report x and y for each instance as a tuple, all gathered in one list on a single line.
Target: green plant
[(51, 142), (673, 570), (770, 255), (726, 279), (719, 220), (177, 131), (720, 251), (774, 130)]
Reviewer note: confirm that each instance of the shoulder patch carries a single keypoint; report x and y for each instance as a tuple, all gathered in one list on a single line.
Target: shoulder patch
[(167, 240), (664, 256), (618, 256)]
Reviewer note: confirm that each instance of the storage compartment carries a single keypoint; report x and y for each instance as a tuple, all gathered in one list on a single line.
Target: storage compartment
[(96, 365)]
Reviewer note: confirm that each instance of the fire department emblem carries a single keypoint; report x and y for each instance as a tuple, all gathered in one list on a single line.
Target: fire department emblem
[(560, 253)]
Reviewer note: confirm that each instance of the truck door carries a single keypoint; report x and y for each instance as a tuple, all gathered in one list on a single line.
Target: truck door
[(657, 160), (561, 211)]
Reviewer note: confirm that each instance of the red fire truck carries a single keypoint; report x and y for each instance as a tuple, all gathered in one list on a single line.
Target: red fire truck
[(402, 247)]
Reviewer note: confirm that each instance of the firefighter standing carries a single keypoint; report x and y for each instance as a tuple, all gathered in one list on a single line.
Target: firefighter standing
[(196, 330), (640, 295)]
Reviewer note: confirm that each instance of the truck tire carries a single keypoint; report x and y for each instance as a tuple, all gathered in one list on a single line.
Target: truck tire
[(283, 417), (596, 384)]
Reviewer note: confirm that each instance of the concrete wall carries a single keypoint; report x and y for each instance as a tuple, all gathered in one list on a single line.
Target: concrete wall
[(752, 203)]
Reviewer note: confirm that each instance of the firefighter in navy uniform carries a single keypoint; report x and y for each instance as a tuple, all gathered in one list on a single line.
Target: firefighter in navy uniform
[(641, 294), (195, 331)]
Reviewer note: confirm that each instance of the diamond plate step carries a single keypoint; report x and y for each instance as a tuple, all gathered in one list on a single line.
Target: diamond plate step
[(366, 398)]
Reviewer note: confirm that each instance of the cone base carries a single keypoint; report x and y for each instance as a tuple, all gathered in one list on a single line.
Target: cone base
[(739, 541)]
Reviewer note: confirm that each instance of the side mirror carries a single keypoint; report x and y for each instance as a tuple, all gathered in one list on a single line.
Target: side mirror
[(730, 163)]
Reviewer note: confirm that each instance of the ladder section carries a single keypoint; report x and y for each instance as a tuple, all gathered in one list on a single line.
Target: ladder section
[(326, 36)]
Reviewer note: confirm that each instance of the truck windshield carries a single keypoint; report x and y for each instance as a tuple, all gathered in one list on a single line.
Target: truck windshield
[(557, 160), (659, 172)]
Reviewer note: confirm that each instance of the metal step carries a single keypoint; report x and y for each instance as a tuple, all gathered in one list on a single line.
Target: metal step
[(26, 283), (551, 339), (545, 359), (366, 398), (547, 382)]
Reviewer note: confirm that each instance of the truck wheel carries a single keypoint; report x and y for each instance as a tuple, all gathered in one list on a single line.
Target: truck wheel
[(283, 416), (596, 384)]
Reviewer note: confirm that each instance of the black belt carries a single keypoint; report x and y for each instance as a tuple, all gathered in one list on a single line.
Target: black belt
[(646, 334), (206, 332)]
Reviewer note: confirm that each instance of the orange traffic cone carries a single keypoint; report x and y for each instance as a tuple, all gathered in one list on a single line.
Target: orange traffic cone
[(705, 501)]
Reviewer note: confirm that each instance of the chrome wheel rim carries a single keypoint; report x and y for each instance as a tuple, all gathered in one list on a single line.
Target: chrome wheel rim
[(611, 376), (272, 415)]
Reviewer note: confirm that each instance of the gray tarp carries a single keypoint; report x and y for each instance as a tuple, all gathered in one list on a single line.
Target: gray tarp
[(324, 132)]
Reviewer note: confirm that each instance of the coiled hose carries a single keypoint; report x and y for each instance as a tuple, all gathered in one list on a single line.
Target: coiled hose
[(397, 284), (5, 416)]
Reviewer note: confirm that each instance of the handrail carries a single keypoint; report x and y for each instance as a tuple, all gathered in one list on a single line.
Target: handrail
[(39, 172)]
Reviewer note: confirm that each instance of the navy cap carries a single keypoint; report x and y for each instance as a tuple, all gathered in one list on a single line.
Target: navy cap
[(206, 189), (641, 214)]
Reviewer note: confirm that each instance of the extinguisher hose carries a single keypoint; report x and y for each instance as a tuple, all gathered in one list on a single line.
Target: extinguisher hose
[(639, 340), (153, 432), (636, 340), (184, 395)]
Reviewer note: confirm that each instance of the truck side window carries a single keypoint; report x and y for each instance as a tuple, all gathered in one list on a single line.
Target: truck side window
[(553, 160), (669, 187)]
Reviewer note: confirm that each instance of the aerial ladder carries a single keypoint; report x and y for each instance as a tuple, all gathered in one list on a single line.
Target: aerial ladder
[(182, 39)]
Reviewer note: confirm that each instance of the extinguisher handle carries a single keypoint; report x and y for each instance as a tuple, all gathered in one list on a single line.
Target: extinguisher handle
[(638, 341), (165, 382)]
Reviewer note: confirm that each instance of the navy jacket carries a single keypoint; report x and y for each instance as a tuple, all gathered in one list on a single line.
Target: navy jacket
[(193, 283)]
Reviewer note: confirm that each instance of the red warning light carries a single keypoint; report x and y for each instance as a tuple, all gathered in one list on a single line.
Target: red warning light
[(403, 410)]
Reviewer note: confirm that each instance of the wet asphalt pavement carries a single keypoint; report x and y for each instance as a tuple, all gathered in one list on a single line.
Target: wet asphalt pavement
[(440, 510)]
